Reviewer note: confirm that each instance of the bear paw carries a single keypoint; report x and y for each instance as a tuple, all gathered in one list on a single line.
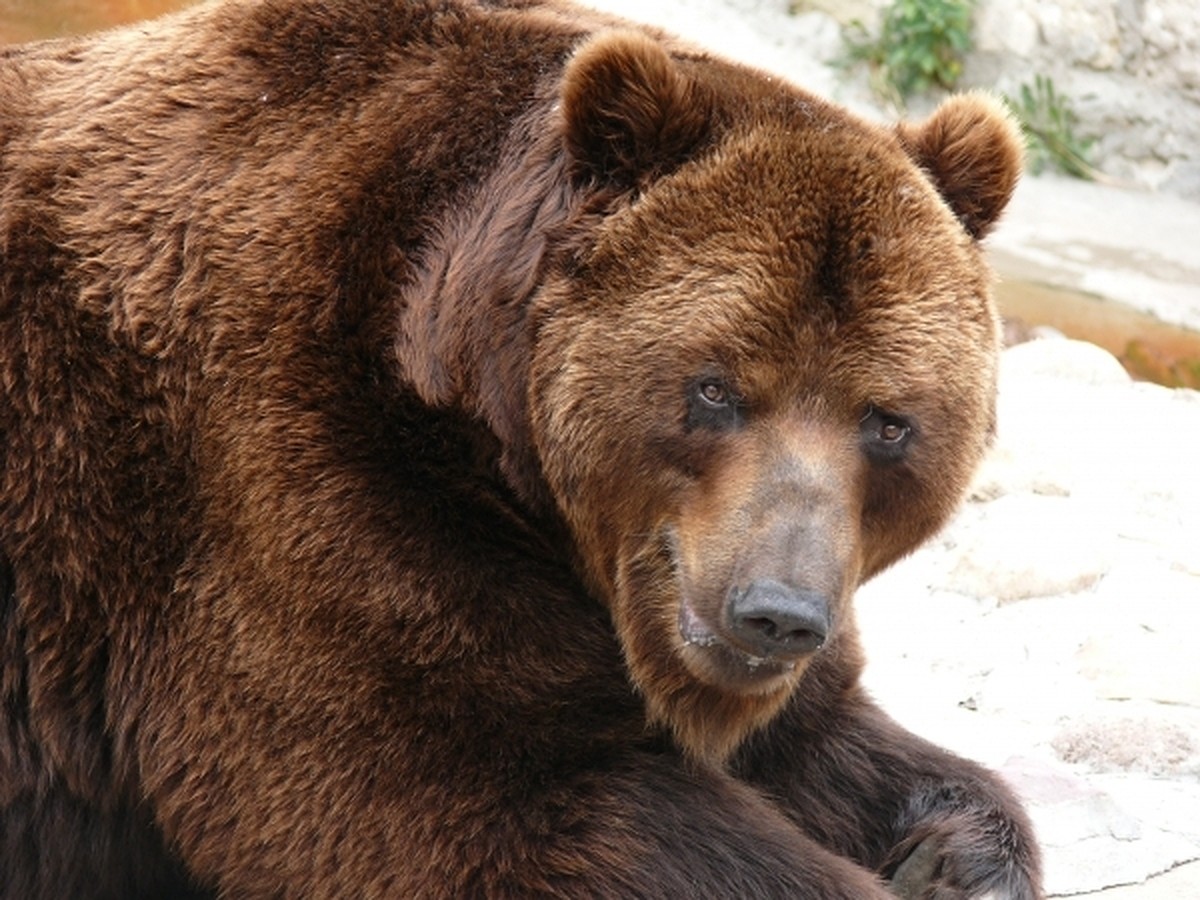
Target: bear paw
[(954, 866)]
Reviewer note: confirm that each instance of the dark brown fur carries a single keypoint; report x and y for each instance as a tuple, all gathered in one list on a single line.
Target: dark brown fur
[(356, 501)]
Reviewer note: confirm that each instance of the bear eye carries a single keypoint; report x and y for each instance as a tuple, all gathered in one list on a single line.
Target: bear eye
[(713, 392), (885, 436), (712, 404)]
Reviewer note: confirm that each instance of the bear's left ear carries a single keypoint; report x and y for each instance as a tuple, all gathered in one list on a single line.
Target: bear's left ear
[(973, 152), (630, 113)]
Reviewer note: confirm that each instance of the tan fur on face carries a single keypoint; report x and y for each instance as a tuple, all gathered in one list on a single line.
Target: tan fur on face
[(696, 559), (780, 507), (847, 283)]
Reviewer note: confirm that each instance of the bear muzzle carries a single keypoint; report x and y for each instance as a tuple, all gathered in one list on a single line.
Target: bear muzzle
[(764, 631), (770, 620)]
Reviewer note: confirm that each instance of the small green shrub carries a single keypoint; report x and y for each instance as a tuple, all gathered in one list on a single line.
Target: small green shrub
[(1049, 124), (920, 45)]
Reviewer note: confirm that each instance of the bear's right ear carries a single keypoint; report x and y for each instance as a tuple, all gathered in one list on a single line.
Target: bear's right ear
[(629, 111)]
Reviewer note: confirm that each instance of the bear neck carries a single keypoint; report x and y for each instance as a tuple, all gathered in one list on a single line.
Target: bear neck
[(464, 338)]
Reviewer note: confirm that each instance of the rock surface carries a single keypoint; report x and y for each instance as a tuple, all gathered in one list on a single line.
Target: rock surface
[(1132, 246), (1132, 71), (1048, 631)]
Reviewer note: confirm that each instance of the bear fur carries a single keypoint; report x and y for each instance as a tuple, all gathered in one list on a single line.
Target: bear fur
[(440, 443)]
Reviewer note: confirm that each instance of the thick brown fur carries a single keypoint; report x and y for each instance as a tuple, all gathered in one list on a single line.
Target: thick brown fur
[(400, 402)]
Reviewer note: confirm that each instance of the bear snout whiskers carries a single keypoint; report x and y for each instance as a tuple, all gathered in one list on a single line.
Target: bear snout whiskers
[(773, 621)]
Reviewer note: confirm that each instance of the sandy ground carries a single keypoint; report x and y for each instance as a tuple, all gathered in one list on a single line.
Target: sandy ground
[(1050, 630)]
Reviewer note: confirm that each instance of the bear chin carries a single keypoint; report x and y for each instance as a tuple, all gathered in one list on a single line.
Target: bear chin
[(719, 663)]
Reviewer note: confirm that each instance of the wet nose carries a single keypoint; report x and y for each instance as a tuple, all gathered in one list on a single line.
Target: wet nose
[(774, 621)]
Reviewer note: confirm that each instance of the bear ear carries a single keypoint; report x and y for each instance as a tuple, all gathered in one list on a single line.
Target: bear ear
[(973, 152), (630, 113)]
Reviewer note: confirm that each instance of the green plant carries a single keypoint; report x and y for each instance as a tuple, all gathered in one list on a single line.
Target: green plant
[(1049, 123), (920, 45)]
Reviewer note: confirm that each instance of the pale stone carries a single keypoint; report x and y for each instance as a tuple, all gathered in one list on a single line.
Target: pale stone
[(1031, 546), (1100, 832), (1008, 470), (1140, 665), (1130, 744), (1076, 361), (1178, 883), (1006, 30)]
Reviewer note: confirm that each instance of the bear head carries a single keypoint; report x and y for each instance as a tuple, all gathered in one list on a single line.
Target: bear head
[(755, 365)]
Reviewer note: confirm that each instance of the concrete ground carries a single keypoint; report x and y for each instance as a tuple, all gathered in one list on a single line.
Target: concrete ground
[(1181, 883), (1134, 247)]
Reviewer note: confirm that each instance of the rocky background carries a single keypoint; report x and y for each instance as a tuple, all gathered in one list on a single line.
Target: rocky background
[(1050, 630), (1130, 67)]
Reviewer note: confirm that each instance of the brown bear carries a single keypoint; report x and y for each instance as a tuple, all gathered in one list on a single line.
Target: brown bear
[(441, 440)]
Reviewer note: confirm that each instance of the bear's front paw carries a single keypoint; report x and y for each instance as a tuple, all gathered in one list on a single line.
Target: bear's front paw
[(962, 864)]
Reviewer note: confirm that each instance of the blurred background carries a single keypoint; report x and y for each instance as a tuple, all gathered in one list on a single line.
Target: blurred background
[(27, 20)]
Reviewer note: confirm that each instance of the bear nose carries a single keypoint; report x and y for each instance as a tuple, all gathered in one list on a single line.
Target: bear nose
[(774, 621)]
